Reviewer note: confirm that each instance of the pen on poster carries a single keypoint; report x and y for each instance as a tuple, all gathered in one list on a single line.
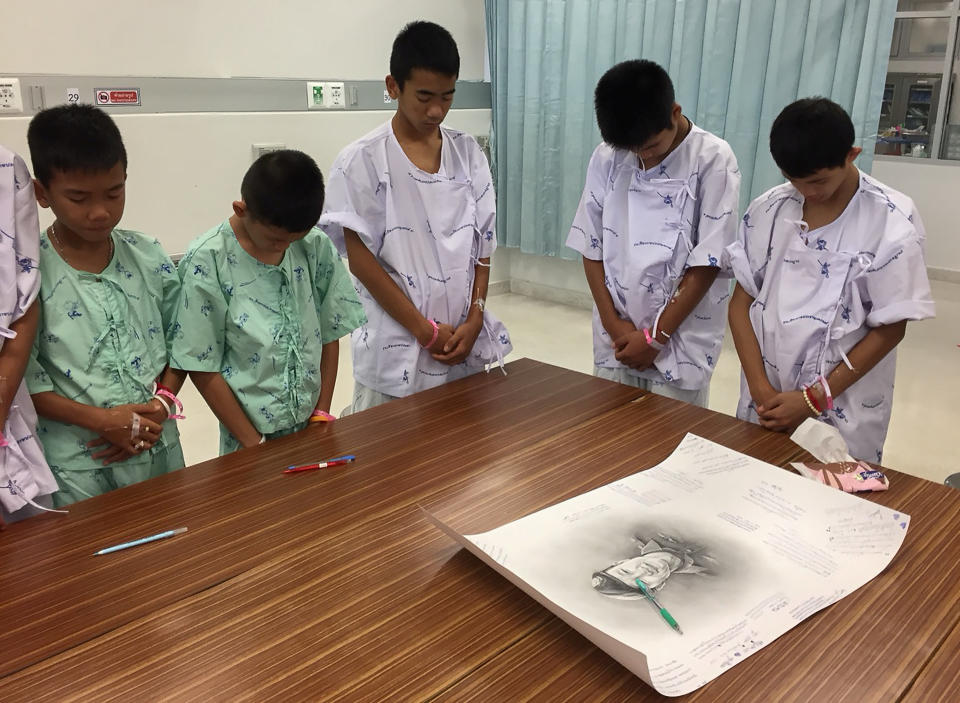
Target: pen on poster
[(142, 540), (337, 461), (664, 613)]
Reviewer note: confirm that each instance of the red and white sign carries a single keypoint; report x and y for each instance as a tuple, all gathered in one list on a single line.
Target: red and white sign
[(117, 96)]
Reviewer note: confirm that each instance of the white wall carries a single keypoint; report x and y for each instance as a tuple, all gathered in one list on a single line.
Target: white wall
[(347, 39), (185, 169), (935, 187), (548, 277)]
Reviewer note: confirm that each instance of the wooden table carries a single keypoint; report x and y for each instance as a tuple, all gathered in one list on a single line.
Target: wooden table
[(333, 585)]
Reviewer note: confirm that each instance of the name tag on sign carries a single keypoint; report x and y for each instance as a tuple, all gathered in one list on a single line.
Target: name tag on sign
[(117, 96)]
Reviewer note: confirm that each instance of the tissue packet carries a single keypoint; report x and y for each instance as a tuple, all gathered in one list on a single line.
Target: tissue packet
[(852, 478), (836, 468)]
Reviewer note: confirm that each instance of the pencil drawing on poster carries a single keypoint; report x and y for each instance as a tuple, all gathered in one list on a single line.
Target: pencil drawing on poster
[(658, 559)]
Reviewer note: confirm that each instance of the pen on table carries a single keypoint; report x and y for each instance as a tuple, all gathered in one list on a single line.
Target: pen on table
[(664, 613), (337, 461), (143, 540)]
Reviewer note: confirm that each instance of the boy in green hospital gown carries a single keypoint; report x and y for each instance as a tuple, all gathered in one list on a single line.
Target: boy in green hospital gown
[(107, 297), (265, 298)]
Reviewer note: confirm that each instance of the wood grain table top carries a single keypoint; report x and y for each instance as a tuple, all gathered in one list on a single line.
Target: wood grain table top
[(333, 585), (869, 646)]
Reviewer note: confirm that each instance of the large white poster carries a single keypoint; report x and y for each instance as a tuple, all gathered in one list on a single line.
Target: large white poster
[(683, 570)]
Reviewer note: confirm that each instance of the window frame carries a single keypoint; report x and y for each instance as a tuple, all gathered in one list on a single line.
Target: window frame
[(943, 101)]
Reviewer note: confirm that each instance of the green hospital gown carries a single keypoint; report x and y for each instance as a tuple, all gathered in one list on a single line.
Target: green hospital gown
[(262, 327), (101, 342)]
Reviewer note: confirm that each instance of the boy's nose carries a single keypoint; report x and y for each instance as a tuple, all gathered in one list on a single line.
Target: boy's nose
[(98, 213)]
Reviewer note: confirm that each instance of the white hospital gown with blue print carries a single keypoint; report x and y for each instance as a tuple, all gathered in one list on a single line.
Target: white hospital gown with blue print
[(263, 327), (648, 227), (817, 294), (101, 342), (427, 231), (24, 474)]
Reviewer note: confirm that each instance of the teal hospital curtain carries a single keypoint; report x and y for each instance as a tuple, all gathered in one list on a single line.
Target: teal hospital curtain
[(734, 63)]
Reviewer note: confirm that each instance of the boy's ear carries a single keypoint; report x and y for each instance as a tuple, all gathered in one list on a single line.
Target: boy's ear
[(853, 153), (392, 88), (43, 197), (239, 208)]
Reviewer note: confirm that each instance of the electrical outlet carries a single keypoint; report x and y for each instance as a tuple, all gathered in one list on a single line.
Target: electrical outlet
[(336, 96), (10, 98), (37, 97)]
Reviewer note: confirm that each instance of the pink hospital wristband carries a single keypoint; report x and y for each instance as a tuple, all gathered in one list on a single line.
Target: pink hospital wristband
[(160, 392), (321, 416), (436, 333)]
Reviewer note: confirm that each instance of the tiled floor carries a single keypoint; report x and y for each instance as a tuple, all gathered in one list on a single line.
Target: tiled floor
[(925, 414)]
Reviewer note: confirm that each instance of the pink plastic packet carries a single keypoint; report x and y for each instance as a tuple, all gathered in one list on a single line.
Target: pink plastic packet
[(851, 477)]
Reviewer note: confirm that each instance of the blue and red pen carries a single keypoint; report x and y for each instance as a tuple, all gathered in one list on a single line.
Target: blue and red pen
[(328, 464)]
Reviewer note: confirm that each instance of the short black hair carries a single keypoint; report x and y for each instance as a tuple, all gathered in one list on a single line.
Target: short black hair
[(811, 134), (634, 100), (284, 189), (423, 45), (73, 138)]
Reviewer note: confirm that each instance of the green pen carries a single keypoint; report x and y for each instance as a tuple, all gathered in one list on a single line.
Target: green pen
[(664, 613)]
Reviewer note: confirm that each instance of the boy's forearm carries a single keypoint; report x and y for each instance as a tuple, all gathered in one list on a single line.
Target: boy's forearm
[(329, 362), (598, 289), (693, 286), (14, 355), (745, 340), (223, 402), (481, 282), (55, 407), (385, 290), (866, 354), (173, 379)]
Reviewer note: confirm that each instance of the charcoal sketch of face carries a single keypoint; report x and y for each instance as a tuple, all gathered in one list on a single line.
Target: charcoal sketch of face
[(659, 560)]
